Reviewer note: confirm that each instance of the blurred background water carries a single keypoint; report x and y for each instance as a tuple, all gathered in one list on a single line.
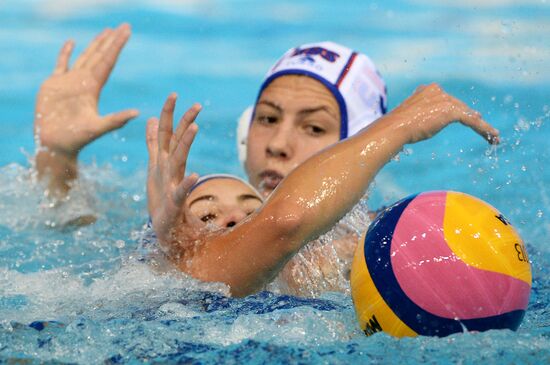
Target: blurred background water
[(78, 295)]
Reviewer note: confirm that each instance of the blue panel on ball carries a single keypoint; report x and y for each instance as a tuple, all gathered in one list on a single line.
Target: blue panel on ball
[(510, 320)]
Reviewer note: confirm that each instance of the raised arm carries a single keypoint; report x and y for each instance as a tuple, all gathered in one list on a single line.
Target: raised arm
[(317, 194), (67, 117)]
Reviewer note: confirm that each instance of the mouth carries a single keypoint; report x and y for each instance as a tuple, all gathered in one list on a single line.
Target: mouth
[(270, 179)]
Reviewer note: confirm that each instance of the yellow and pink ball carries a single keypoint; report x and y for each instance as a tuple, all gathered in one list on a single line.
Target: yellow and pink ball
[(437, 263)]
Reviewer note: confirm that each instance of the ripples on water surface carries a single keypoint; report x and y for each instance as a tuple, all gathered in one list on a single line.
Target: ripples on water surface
[(82, 295)]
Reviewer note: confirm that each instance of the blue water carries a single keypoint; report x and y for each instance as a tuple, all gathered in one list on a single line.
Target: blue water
[(80, 295)]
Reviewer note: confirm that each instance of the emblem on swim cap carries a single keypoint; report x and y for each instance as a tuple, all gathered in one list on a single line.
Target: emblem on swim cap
[(350, 76)]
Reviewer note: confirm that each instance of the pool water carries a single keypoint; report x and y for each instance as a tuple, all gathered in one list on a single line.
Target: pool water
[(82, 294)]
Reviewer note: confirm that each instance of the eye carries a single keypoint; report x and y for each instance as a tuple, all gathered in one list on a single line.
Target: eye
[(208, 217), (266, 119), (314, 130)]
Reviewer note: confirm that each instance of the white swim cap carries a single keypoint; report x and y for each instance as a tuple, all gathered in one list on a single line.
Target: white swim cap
[(206, 178), (350, 76), (242, 132)]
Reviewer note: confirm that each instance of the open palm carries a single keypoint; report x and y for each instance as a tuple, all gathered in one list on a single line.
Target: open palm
[(67, 116)]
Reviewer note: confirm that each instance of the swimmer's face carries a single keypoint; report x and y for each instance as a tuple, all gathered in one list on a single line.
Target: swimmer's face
[(296, 117), (223, 201)]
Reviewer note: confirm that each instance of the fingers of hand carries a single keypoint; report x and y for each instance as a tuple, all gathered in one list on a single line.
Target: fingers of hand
[(63, 59), (178, 159), (117, 120), (183, 187), (165, 124), (186, 120), (104, 60), (92, 48), (98, 52), (151, 134), (473, 119)]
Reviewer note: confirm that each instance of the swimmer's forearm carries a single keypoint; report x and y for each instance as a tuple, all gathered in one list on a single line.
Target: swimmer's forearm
[(58, 170)]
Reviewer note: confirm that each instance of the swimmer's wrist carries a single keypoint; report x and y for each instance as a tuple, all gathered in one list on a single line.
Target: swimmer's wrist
[(397, 127), (58, 168)]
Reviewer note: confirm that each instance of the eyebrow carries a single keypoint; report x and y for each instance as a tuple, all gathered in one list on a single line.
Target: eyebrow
[(244, 197), (240, 198), (307, 111), (314, 110), (203, 197), (271, 104)]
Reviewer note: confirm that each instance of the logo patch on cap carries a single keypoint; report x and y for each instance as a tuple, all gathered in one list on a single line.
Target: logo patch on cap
[(330, 56)]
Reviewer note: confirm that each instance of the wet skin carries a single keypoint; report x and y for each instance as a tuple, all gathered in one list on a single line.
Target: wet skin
[(296, 117)]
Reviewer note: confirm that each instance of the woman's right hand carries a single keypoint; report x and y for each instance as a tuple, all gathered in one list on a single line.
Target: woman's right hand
[(431, 109)]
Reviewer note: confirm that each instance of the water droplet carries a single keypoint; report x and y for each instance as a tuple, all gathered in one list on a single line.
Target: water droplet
[(407, 151)]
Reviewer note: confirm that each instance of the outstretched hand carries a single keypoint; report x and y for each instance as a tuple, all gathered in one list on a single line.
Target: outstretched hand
[(67, 116), (430, 109), (167, 185)]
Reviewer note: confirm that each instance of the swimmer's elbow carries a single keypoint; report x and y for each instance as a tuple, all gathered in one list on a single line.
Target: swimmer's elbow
[(287, 220)]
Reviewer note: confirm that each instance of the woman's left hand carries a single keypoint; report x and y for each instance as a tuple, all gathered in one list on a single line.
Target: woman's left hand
[(167, 185)]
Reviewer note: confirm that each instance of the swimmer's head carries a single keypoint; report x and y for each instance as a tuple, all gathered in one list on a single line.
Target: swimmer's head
[(315, 95), (222, 200)]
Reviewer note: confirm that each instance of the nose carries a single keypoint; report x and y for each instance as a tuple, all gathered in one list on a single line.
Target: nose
[(233, 217), (280, 143)]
